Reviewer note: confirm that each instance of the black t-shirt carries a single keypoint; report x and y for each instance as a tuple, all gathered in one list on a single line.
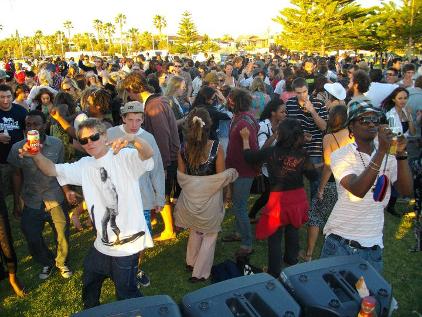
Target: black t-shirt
[(286, 168), (14, 122)]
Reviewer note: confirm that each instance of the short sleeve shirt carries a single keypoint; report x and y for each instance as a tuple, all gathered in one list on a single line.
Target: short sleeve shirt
[(14, 122), (38, 188), (314, 147), (354, 218), (110, 186)]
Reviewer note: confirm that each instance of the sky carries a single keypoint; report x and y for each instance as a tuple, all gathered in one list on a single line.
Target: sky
[(215, 18)]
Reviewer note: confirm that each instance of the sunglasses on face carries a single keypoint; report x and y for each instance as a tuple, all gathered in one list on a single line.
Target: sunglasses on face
[(390, 74), (93, 138), (371, 119)]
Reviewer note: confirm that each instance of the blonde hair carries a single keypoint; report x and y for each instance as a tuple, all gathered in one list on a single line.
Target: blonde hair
[(173, 84), (258, 85), (70, 82), (92, 123), (44, 77)]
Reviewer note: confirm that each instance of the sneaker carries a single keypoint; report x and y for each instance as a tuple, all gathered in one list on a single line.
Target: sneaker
[(65, 271), (46, 272), (142, 280)]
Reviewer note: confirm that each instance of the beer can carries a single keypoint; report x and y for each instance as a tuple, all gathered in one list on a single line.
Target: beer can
[(33, 139)]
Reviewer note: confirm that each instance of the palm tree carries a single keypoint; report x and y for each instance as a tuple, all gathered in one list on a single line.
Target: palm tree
[(98, 26), (160, 23), (120, 20), (68, 25), (133, 34), (37, 40), (60, 36), (89, 36), (109, 29)]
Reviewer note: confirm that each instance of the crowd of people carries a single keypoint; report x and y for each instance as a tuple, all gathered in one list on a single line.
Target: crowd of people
[(127, 139)]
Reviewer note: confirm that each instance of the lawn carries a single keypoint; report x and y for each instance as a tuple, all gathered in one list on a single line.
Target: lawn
[(166, 267)]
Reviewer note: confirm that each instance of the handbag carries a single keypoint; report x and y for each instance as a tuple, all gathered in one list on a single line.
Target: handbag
[(259, 185), (381, 185)]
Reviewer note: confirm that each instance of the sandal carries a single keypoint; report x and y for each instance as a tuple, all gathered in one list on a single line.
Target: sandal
[(197, 280), (232, 237), (305, 257)]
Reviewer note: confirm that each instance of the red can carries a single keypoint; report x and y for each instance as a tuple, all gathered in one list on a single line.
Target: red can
[(33, 139)]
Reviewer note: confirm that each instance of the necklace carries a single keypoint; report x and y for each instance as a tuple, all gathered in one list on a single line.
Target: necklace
[(364, 165)]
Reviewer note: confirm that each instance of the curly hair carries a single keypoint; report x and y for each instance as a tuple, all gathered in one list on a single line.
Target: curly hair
[(290, 135), (136, 83), (197, 128)]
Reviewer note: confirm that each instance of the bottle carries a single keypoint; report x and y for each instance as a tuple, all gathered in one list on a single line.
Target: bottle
[(394, 129), (367, 308)]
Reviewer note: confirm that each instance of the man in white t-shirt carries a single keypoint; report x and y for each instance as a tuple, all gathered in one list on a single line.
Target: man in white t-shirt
[(356, 223), (116, 247)]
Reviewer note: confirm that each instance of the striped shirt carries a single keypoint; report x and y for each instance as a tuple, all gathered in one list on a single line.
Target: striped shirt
[(354, 218), (294, 111)]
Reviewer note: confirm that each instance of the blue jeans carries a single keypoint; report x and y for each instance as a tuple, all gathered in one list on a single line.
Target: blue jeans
[(333, 247), (122, 271), (241, 190), (315, 183)]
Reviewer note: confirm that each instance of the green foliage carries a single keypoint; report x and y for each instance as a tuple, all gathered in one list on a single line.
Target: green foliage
[(317, 25), (187, 35), (207, 45), (321, 25)]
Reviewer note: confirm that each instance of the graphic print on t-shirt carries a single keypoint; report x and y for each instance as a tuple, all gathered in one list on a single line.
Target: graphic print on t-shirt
[(111, 199), (9, 124)]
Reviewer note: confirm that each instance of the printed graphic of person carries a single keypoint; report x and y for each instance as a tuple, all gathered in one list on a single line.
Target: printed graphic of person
[(111, 202)]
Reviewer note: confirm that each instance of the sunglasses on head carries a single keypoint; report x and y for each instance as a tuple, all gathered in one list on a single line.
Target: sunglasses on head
[(371, 119), (93, 138)]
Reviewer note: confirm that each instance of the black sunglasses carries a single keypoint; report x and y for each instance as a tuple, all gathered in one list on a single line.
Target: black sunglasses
[(93, 138), (371, 119)]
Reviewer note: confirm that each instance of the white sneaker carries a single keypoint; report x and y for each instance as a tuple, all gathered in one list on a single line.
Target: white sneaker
[(46, 272), (65, 271)]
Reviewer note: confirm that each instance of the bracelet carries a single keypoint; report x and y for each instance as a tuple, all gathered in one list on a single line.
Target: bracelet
[(375, 164), (401, 157), (404, 153), (374, 169)]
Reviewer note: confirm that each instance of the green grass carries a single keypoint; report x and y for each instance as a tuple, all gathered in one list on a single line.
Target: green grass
[(166, 267)]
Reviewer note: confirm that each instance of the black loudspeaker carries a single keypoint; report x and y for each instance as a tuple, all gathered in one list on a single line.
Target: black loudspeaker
[(326, 287), (150, 306), (258, 295)]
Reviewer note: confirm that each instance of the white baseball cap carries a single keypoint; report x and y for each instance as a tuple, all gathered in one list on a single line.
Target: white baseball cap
[(337, 90), (132, 106)]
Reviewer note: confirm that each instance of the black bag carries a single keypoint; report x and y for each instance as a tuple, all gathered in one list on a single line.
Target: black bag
[(259, 185)]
